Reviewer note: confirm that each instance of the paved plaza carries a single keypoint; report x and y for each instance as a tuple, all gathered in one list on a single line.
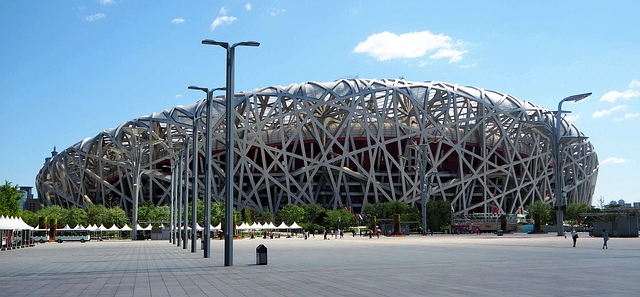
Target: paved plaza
[(440, 265)]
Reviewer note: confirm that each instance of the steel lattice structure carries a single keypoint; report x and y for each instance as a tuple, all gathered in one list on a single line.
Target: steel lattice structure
[(349, 142)]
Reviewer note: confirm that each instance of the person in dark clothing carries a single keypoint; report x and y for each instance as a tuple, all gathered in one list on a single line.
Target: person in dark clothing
[(605, 237)]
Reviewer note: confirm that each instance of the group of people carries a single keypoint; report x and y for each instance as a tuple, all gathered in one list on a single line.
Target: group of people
[(605, 237)]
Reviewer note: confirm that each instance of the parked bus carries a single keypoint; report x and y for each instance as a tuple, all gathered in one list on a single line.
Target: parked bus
[(40, 235), (72, 235)]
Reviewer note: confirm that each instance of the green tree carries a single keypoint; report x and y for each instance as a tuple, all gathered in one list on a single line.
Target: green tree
[(9, 200), (438, 214), (74, 216), (575, 209), (291, 213), (314, 214), (266, 217), (117, 216), (161, 214), (53, 212), (217, 212), (249, 215), (540, 212), (339, 218), (29, 217), (98, 215)]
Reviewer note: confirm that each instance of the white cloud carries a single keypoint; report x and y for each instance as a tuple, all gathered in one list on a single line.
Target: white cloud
[(614, 160), (277, 12), (628, 116), (453, 55), (606, 112), (634, 84), (386, 46), (178, 96), (106, 2), (94, 17), (613, 96), (468, 65), (177, 21), (223, 19), (247, 6)]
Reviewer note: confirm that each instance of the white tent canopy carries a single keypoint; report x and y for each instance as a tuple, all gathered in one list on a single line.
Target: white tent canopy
[(295, 226), (13, 223)]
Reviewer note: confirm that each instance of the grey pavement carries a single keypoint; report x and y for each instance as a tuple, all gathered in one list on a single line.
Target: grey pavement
[(440, 265)]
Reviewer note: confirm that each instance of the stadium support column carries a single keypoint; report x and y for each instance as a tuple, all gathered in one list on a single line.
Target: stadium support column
[(229, 164)]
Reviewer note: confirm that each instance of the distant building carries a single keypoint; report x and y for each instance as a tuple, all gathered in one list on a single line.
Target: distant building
[(28, 202)]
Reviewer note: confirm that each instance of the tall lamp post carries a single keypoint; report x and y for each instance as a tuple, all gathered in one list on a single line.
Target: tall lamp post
[(559, 172), (206, 236), (229, 158), (424, 174)]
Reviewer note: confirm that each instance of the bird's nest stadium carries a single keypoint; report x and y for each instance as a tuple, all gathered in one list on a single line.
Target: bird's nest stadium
[(346, 143)]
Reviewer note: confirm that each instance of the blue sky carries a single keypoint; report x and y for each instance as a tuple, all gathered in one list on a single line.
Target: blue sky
[(70, 69)]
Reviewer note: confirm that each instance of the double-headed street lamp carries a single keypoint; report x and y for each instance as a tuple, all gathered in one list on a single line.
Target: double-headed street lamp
[(229, 162), (206, 236), (559, 172)]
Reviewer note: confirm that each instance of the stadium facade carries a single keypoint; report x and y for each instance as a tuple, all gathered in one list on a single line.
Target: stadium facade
[(346, 143)]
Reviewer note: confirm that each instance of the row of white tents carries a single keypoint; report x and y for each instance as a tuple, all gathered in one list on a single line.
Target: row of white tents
[(13, 223), (243, 226)]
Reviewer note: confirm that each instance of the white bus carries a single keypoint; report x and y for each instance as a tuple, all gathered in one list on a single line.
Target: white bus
[(40, 235), (72, 235)]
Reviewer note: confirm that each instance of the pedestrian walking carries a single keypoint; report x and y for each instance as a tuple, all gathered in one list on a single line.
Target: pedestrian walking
[(605, 237), (574, 236)]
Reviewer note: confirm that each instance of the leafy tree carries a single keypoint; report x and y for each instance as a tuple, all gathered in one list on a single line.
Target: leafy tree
[(53, 212), (266, 217), (160, 214), (29, 217), (291, 213), (250, 216), (98, 215), (575, 209), (314, 214), (438, 214), (217, 212), (117, 216), (540, 212), (74, 216), (339, 218), (9, 200)]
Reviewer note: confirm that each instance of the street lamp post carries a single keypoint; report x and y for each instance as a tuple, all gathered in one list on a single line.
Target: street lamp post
[(172, 221), (206, 234), (424, 174), (194, 190), (559, 172), (185, 195), (229, 158), (178, 219)]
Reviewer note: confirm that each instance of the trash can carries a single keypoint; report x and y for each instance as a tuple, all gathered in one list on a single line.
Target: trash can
[(261, 255), (499, 233)]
